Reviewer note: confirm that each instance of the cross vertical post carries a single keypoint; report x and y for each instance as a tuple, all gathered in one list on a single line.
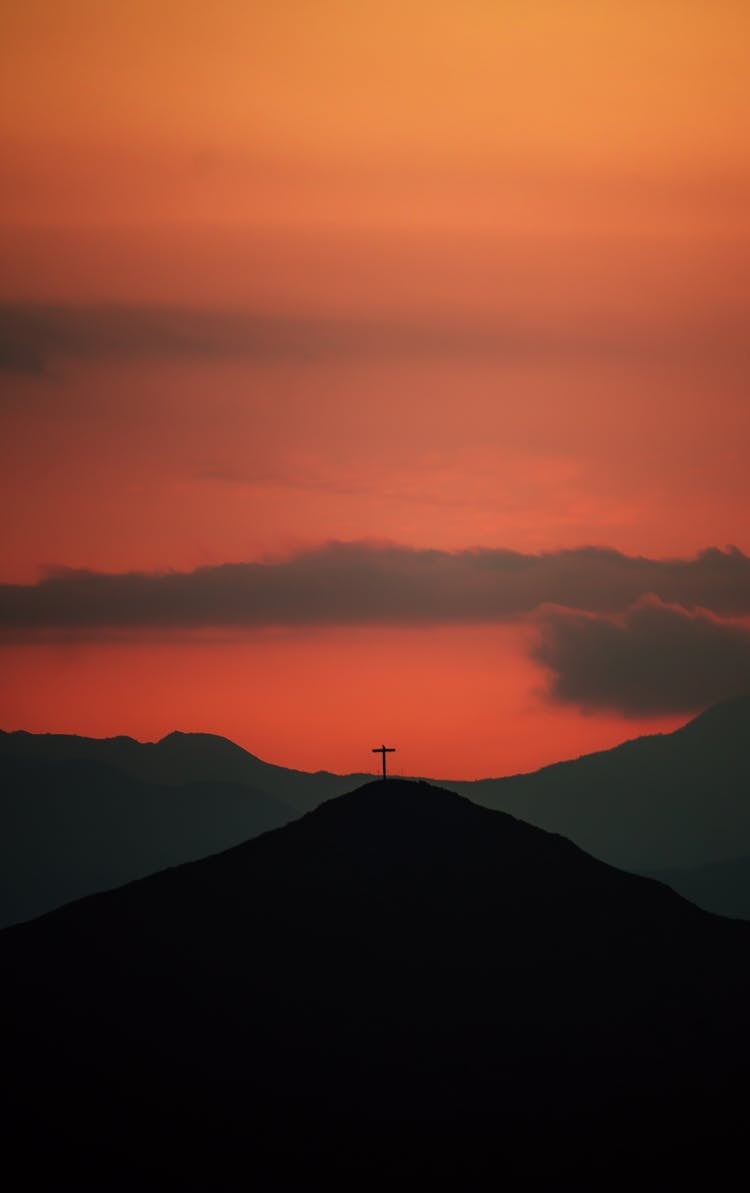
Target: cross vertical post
[(383, 750)]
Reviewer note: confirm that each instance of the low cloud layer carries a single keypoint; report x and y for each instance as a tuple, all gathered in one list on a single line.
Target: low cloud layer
[(642, 636), (656, 659), (364, 583), (33, 336), (373, 583)]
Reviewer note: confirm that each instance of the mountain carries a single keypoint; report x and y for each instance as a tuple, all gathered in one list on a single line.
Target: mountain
[(72, 826), (399, 988), (183, 758), (79, 814), (721, 887), (674, 800)]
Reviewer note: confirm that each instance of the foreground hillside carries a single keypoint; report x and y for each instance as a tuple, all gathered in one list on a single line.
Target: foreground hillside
[(400, 985)]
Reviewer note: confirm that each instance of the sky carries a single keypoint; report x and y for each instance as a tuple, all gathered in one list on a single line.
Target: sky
[(374, 372)]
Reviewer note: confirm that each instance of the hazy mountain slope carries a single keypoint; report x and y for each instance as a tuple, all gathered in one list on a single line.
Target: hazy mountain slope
[(74, 826), (721, 887), (183, 758), (399, 986), (674, 800)]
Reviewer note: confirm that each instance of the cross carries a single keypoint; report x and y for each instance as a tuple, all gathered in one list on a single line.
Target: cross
[(384, 750)]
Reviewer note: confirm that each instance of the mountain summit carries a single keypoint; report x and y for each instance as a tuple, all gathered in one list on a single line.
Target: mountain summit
[(398, 981)]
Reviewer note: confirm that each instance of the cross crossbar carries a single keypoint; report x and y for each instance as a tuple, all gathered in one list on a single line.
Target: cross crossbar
[(383, 750)]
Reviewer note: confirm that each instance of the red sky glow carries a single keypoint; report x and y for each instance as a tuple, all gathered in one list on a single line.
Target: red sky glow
[(446, 276)]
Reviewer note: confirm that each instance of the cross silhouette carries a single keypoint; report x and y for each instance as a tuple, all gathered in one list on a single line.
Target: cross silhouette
[(384, 750)]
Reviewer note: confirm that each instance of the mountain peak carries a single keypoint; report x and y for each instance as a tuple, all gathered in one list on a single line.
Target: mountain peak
[(391, 812), (728, 715), (398, 795), (205, 747), (180, 736), (433, 838)]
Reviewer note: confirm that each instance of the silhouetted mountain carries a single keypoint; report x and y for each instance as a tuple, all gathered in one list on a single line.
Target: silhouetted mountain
[(72, 826), (721, 887), (184, 758), (80, 814), (669, 801), (399, 987)]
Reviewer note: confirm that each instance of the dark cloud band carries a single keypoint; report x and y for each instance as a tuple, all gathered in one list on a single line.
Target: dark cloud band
[(367, 583), (34, 335), (656, 659), (640, 636)]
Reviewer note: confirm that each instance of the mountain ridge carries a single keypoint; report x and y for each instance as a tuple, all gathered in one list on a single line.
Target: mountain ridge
[(664, 802), (659, 801), (159, 761), (74, 826)]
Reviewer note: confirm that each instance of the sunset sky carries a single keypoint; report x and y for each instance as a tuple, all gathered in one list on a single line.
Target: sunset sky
[(374, 372)]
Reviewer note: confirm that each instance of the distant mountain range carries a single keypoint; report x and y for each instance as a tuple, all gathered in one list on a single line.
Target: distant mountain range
[(183, 758), (82, 814), (400, 988), (721, 887), (79, 815), (73, 826), (671, 800), (675, 806)]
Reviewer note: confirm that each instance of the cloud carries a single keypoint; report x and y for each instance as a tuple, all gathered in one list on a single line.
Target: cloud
[(375, 583), (657, 658), (34, 335), (616, 632)]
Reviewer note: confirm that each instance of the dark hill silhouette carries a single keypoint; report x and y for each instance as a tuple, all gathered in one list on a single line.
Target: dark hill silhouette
[(667, 801), (69, 827), (397, 987)]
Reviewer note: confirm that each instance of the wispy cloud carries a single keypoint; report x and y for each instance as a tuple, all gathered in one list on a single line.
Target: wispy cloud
[(34, 335)]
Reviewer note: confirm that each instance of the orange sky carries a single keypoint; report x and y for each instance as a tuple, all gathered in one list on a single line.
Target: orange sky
[(523, 230)]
